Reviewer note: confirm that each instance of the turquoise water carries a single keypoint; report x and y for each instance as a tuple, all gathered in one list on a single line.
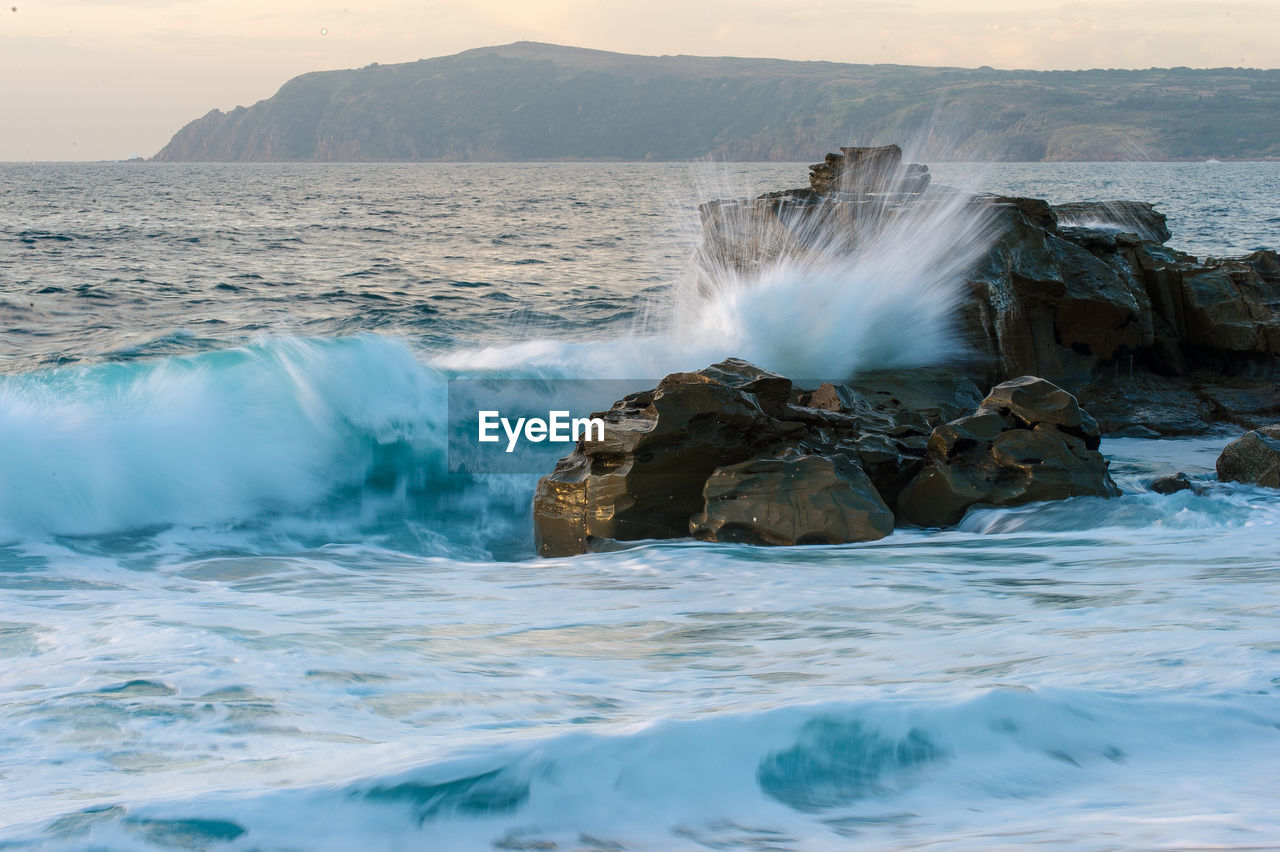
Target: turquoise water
[(243, 606)]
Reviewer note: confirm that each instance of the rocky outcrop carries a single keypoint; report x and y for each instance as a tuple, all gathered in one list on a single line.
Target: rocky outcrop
[(1029, 441), (1253, 458), (1172, 484), (795, 499), (1098, 219), (1085, 295), (868, 171), (645, 479), (735, 453)]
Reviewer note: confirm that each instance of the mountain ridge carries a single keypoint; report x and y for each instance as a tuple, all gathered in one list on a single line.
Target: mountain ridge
[(536, 101)]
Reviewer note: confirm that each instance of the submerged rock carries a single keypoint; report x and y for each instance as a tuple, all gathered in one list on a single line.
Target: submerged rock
[(1172, 484), (1028, 441), (1253, 458), (791, 500)]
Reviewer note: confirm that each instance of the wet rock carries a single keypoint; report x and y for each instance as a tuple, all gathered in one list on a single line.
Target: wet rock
[(1028, 442), (1138, 218), (1081, 294), (1172, 484), (1253, 458), (795, 499), (922, 397), (1032, 400), (645, 479), (1147, 406), (862, 171), (1134, 431), (1233, 306), (1043, 305)]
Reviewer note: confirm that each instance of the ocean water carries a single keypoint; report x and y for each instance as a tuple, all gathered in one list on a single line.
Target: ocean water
[(243, 606)]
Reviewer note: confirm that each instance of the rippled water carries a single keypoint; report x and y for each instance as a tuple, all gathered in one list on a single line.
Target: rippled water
[(242, 606)]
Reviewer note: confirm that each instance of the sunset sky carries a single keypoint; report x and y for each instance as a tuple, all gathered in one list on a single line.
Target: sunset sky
[(102, 79)]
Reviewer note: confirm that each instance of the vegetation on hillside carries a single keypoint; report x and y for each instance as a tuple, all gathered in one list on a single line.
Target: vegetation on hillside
[(529, 101)]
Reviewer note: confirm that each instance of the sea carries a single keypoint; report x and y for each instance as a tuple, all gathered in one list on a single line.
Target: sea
[(244, 605)]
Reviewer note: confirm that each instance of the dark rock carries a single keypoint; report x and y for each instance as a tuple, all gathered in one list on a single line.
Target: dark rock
[(1243, 402), (924, 397), (795, 499), (645, 479), (1085, 295), (1172, 484), (1253, 458), (1006, 453), (862, 171), (1135, 217), (884, 420), (1044, 305), (1032, 400), (1147, 404), (1233, 306), (1134, 431)]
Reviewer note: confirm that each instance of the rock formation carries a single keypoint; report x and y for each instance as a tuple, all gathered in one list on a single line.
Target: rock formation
[(1172, 484), (794, 499), (1253, 458), (645, 479), (1029, 441), (867, 171), (1151, 340), (1080, 297), (735, 453)]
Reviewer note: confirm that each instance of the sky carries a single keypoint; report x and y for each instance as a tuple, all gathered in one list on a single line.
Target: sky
[(109, 79)]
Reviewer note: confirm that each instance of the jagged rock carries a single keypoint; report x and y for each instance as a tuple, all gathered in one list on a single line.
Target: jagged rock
[(735, 453), (1234, 305), (1006, 453), (1139, 218), (1041, 304), (1145, 406), (1253, 458), (887, 445), (1085, 295), (645, 479), (1172, 484), (1032, 400), (796, 499), (924, 397), (863, 171)]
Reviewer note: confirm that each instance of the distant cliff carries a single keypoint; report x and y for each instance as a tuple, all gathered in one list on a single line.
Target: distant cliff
[(529, 101)]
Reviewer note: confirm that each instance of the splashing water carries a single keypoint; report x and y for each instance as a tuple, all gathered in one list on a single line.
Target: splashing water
[(820, 290)]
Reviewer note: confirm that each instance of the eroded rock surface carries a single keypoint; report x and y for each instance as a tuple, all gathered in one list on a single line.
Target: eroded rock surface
[(645, 479), (1029, 441), (1086, 295), (796, 499), (735, 453), (1172, 484), (863, 171), (1253, 458)]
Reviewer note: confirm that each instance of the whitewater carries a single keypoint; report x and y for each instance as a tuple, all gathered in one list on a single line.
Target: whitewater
[(245, 606)]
